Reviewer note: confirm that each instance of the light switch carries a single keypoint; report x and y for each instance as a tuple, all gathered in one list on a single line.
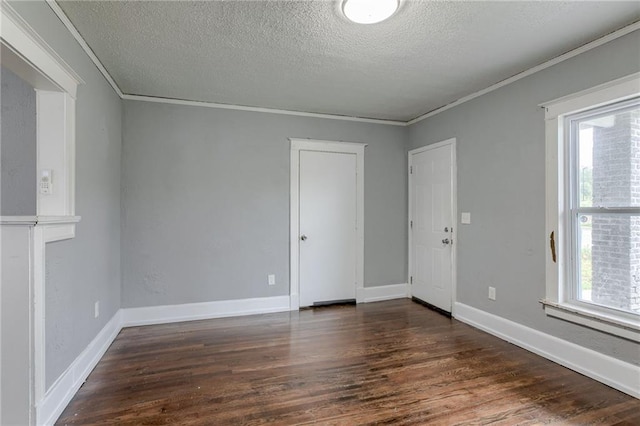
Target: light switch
[(465, 218)]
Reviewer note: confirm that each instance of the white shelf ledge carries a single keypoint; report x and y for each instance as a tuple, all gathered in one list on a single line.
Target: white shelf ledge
[(54, 228), (616, 325), (19, 220)]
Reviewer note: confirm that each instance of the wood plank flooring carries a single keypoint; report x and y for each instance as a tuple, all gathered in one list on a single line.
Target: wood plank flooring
[(392, 362)]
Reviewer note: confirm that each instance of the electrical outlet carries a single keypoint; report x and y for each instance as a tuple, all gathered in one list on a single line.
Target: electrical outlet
[(492, 293), (465, 218), (96, 309), (272, 279)]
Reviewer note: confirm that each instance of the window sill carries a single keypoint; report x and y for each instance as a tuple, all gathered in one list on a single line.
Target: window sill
[(619, 326)]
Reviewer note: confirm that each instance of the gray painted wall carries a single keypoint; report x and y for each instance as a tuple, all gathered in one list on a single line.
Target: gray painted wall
[(87, 268), (206, 201), (18, 146), (501, 177)]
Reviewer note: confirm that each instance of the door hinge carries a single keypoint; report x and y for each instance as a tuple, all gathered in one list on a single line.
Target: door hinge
[(410, 169), (410, 280), (411, 224)]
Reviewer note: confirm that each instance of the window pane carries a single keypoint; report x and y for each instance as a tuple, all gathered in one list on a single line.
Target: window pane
[(609, 260), (608, 171)]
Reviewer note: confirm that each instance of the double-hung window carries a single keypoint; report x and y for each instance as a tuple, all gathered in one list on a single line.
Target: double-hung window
[(593, 208)]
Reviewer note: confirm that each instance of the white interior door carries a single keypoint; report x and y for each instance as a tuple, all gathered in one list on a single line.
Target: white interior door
[(327, 226), (431, 187)]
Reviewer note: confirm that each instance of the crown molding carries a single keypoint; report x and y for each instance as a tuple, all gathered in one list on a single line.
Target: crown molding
[(568, 55), (261, 109), (83, 44)]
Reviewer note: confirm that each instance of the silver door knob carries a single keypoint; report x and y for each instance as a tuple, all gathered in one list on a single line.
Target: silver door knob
[(303, 237), (446, 241)]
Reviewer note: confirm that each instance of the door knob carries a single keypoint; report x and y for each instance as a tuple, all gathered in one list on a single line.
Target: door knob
[(303, 237), (446, 241)]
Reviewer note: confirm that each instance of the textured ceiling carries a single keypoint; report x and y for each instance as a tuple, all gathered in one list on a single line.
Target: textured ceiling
[(305, 56)]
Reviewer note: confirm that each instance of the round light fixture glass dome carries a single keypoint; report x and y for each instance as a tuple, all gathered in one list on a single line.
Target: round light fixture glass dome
[(369, 11)]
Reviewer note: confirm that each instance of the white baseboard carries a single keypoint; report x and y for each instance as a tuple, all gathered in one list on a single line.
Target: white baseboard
[(66, 386), (206, 310), (608, 370), (62, 391), (384, 292)]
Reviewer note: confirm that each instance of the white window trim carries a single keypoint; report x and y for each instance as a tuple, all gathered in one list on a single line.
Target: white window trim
[(556, 303)]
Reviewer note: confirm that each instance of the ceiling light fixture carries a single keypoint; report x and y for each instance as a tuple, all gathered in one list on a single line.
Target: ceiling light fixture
[(369, 11)]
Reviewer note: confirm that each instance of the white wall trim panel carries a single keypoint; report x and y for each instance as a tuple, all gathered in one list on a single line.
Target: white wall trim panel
[(384, 292), (66, 386), (608, 370), (206, 310)]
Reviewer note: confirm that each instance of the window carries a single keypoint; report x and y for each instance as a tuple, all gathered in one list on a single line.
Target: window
[(604, 206), (593, 208)]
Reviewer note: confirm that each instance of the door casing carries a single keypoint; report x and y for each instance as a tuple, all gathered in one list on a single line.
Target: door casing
[(454, 214), (298, 145)]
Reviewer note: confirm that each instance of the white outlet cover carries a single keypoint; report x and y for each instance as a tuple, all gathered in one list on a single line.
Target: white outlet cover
[(465, 218), (492, 293), (272, 279)]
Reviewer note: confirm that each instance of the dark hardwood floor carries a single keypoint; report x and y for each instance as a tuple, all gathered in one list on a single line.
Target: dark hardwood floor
[(392, 362)]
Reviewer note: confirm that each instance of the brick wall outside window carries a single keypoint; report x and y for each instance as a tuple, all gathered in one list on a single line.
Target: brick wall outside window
[(616, 240)]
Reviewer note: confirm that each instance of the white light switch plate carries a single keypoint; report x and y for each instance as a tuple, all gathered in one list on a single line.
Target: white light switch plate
[(272, 279), (465, 218)]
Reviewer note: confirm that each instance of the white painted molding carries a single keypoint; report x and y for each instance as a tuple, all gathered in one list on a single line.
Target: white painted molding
[(582, 49), (65, 387), (26, 43), (261, 109), (608, 370), (58, 228), (384, 292), (558, 301), (206, 310), (619, 325), (618, 90), (19, 220), (83, 44), (575, 52), (57, 220)]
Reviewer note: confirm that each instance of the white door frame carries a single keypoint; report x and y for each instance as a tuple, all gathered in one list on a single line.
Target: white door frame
[(454, 214), (298, 145)]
